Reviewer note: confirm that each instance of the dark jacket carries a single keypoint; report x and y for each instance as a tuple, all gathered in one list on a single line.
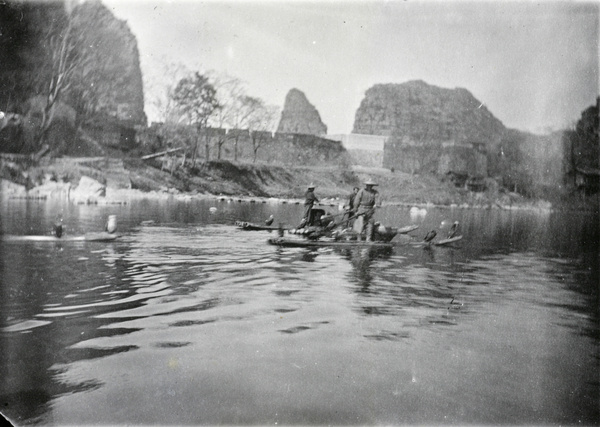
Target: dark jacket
[(310, 198), (365, 200)]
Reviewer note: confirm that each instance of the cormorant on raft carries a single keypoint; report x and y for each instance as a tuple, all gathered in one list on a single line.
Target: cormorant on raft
[(111, 224), (453, 230), (269, 220), (430, 236), (57, 228)]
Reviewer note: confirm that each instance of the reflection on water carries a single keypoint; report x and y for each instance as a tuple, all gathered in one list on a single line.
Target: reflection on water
[(187, 320)]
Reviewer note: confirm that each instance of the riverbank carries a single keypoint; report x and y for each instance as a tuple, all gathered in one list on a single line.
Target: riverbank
[(116, 181)]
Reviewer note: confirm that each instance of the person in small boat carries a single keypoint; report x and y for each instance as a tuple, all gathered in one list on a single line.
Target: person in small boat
[(309, 200), (350, 207), (365, 202)]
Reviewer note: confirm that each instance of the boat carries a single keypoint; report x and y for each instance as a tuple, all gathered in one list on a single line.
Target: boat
[(89, 237), (297, 243), (447, 241), (250, 226), (443, 242), (407, 229)]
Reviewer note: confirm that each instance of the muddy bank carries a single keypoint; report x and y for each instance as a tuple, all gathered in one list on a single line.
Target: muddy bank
[(106, 181)]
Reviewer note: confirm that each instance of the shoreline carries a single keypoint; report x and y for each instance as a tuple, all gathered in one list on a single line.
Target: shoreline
[(73, 182), (123, 196)]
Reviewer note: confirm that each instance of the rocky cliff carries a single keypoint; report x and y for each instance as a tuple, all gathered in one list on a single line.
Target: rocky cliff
[(418, 113), (115, 67), (448, 131), (300, 116), (102, 77)]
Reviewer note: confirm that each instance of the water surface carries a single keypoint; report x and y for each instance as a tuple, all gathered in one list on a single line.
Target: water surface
[(188, 320)]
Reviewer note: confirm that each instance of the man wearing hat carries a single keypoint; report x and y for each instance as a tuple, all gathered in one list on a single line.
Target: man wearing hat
[(365, 202), (309, 200)]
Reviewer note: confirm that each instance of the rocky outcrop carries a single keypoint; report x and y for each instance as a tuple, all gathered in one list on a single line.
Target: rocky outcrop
[(115, 57), (300, 116), (429, 128), (105, 85), (418, 113), (88, 190)]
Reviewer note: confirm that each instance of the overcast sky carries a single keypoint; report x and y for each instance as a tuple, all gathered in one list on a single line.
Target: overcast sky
[(533, 64)]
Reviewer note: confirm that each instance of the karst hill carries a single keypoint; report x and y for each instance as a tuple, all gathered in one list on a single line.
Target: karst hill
[(300, 116), (428, 130), (417, 112)]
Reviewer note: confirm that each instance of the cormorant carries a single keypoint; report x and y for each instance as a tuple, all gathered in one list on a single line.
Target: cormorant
[(430, 236), (453, 230), (269, 220), (58, 228), (111, 224)]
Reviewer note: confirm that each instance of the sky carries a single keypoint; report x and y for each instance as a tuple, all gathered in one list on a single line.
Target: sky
[(534, 64)]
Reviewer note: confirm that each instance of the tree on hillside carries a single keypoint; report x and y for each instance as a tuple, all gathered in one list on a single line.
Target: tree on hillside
[(73, 60), (512, 165), (581, 143), (262, 121), (588, 138), (160, 84), (65, 54), (195, 96), (229, 91), (241, 110)]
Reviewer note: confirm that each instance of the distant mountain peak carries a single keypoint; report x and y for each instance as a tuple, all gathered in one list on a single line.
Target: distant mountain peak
[(417, 112), (300, 116)]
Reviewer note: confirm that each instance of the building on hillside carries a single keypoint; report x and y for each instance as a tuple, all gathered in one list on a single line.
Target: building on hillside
[(365, 150)]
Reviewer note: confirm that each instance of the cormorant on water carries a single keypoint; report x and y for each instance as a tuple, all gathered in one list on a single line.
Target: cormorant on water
[(453, 230), (269, 220), (430, 236)]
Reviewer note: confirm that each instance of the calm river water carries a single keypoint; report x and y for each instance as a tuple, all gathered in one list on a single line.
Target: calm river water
[(190, 321)]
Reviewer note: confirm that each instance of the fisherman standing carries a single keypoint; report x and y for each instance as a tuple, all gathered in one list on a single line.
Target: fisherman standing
[(365, 202), (351, 206), (309, 200)]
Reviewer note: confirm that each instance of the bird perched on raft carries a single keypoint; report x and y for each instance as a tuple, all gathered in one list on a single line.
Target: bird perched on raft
[(430, 236), (57, 228), (453, 230), (269, 220), (111, 224)]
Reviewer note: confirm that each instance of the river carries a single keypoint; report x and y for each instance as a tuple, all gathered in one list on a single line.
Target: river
[(187, 320)]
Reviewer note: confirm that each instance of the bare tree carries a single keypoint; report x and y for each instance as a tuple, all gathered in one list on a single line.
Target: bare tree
[(160, 84), (262, 121), (196, 98), (229, 90), (65, 55), (240, 108)]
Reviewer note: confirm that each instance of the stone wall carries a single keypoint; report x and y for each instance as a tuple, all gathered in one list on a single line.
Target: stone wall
[(288, 149), (275, 148), (365, 150)]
